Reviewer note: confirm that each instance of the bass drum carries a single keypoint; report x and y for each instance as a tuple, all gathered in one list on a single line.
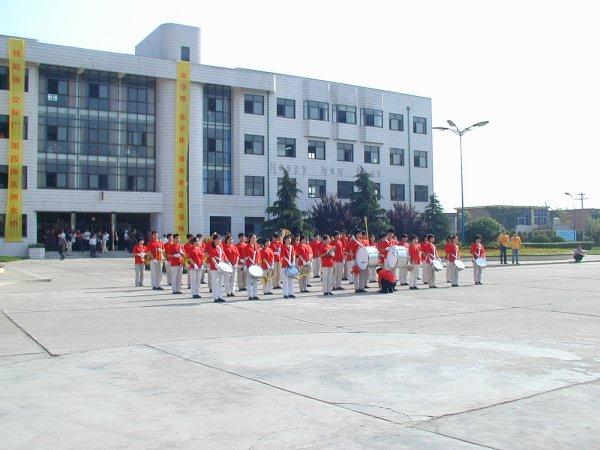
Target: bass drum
[(367, 257), (397, 257), (255, 271)]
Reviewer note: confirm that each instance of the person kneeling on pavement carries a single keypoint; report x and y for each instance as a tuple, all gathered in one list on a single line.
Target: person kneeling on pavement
[(387, 280)]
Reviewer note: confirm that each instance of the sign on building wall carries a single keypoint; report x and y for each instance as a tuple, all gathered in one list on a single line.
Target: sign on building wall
[(567, 235), (13, 231), (182, 134)]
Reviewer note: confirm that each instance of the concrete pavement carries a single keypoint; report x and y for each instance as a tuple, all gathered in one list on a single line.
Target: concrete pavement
[(89, 361)]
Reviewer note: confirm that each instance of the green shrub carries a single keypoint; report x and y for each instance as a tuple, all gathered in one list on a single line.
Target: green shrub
[(556, 238), (36, 246), (488, 228), (539, 238), (570, 245)]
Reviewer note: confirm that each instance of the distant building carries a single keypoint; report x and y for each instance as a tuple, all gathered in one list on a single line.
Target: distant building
[(521, 219)]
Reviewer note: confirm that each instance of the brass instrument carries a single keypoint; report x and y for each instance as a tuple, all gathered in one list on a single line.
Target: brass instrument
[(267, 276), (305, 271)]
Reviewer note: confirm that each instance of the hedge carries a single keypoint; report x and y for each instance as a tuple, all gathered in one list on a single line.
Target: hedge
[(571, 245)]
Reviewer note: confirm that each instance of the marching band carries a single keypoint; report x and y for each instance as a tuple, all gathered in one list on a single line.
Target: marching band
[(278, 262)]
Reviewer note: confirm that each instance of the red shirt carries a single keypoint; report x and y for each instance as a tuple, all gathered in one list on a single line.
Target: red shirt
[(251, 254), (339, 250), (327, 259), (176, 249), (386, 275), (154, 248), (352, 248), (240, 248), (276, 247), (196, 254), (477, 251), (297, 248), (454, 253), (168, 250), (139, 249), (428, 251), (316, 247), (305, 252), (448, 249), (187, 248), (215, 254), (414, 252), (288, 255), (383, 246), (267, 259), (231, 252)]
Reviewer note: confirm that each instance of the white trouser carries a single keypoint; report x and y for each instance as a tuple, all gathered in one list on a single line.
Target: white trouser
[(426, 273), (277, 274), (230, 282), (337, 274), (195, 275), (413, 276), (176, 274), (169, 272), (288, 285), (252, 287), (216, 279), (403, 275), (372, 274), (268, 286), (242, 277), (316, 267), (449, 271), (454, 273), (156, 272), (349, 274), (303, 282), (139, 274), (327, 278), (477, 272), (202, 273), (189, 275), (346, 271), (430, 273)]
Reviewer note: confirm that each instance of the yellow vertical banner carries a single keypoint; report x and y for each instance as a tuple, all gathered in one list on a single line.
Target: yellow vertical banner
[(182, 135), (13, 231)]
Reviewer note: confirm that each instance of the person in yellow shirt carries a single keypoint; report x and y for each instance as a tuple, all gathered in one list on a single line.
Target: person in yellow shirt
[(515, 245), (503, 241)]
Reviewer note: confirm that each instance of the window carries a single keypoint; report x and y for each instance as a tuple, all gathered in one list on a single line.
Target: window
[(316, 110), (98, 96), (286, 147), (397, 192), (253, 225), (5, 126), (134, 138), (286, 108), (254, 186), (396, 157), (254, 104), (371, 154), (378, 189), (371, 117), (280, 179), (254, 144), (419, 125), (345, 152), (420, 159), (540, 217), (316, 188), (316, 150), (3, 223), (217, 140), (345, 189), (220, 224), (4, 177), (344, 114), (185, 53), (421, 193), (58, 91), (5, 81), (396, 122)]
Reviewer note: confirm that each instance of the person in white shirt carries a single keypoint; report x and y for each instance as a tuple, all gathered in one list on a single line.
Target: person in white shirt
[(93, 242)]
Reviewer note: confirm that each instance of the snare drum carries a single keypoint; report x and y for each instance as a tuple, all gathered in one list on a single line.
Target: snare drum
[(397, 257), (459, 264), (255, 272), (292, 271), (481, 262), (437, 265), (367, 257), (224, 268)]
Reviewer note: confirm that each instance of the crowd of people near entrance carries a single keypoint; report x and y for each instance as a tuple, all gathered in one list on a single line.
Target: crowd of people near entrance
[(288, 263), (96, 243)]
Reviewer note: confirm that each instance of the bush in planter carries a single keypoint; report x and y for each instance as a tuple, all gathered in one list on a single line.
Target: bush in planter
[(556, 238), (539, 238), (36, 246), (488, 228)]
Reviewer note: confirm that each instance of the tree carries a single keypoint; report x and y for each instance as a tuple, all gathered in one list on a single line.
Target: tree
[(364, 202), (285, 212), (594, 230), (488, 228), (435, 219), (329, 214), (406, 219)]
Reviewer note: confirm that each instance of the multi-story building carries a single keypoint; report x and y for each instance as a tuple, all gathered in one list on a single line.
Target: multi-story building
[(522, 219), (99, 148)]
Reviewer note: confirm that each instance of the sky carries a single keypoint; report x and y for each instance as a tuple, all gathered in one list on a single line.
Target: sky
[(529, 67)]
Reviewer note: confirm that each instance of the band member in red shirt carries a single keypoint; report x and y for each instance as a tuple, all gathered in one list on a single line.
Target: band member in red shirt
[(215, 256), (276, 247), (359, 277), (447, 250), (288, 258), (338, 259), (383, 246), (176, 266), (429, 255), (315, 245), (403, 272), (414, 255), (267, 262), (305, 256), (347, 273), (139, 253), (452, 257), (477, 251), (240, 268), (196, 257), (157, 255), (187, 247), (252, 257), (327, 256), (231, 252), (168, 255), (386, 280)]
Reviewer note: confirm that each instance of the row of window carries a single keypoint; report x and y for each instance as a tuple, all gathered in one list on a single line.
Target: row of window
[(5, 79), (286, 147), (254, 186), (5, 126), (315, 110)]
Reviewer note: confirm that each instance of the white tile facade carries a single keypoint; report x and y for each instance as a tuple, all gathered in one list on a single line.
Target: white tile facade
[(165, 43)]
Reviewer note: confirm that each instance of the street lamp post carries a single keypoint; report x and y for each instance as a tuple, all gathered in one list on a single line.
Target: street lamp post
[(573, 198), (460, 133)]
